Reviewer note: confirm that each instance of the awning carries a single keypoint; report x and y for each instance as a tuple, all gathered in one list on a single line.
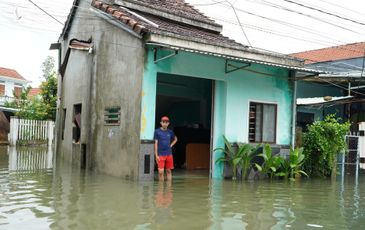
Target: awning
[(321, 100), (239, 59)]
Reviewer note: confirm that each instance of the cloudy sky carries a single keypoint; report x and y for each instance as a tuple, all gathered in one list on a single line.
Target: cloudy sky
[(284, 26)]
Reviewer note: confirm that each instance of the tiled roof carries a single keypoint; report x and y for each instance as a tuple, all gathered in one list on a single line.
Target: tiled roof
[(11, 73), (121, 15), (335, 53), (34, 92), (166, 27), (177, 7)]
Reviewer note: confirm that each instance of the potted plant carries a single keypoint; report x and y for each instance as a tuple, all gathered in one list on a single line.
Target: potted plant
[(271, 163), (291, 167), (237, 157)]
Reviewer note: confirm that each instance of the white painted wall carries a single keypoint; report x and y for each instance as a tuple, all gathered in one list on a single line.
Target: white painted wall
[(9, 87), (10, 84)]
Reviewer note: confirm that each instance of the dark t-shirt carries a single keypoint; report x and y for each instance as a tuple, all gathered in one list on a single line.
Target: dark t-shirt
[(164, 138)]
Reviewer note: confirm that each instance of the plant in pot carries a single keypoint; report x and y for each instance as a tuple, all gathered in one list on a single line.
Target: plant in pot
[(291, 167), (237, 157), (271, 163)]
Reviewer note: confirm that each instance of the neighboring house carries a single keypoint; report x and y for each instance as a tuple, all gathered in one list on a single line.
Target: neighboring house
[(344, 65), (34, 92), (10, 82), (138, 60)]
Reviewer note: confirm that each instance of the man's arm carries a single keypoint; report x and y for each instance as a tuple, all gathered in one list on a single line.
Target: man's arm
[(173, 142), (156, 151)]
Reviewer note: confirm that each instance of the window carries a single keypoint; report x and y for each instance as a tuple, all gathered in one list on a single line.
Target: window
[(262, 122), (17, 91), (76, 129), (112, 115), (2, 90)]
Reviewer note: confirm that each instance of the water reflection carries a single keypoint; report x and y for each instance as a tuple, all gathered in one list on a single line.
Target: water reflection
[(164, 194), (30, 158), (69, 198)]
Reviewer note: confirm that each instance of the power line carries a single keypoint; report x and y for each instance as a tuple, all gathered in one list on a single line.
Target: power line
[(297, 27), (342, 7), (324, 12), (45, 11), (310, 16), (256, 28), (239, 22)]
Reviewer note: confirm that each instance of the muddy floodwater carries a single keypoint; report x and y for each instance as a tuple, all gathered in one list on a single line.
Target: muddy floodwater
[(36, 194)]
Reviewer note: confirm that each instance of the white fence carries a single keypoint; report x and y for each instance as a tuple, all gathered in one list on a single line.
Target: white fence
[(30, 131)]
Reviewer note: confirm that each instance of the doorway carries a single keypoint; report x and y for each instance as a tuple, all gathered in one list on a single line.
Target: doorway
[(187, 101)]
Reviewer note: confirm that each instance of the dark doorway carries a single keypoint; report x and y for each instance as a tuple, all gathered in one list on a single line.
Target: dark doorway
[(187, 101)]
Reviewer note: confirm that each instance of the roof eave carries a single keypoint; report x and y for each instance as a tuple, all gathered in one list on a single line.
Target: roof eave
[(194, 22), (224, 51), (69, 20)]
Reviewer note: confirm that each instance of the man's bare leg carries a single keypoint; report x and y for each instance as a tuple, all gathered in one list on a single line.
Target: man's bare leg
[(160, 174), (169, 174)]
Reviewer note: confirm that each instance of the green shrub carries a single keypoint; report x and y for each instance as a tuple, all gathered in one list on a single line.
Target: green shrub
[(322, 143)]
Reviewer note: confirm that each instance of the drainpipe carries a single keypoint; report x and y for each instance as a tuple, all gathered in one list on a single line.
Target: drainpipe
[(292, 75)]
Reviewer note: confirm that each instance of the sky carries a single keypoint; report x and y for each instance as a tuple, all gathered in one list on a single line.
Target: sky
[(284, 26)]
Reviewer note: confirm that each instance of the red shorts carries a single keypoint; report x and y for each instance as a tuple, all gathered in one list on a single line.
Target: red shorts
[(166, 162)]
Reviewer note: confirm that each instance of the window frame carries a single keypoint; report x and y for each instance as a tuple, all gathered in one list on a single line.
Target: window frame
[(262, 126), (109, 116)]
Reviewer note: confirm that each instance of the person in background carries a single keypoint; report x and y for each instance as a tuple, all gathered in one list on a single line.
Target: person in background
[(165, 139)]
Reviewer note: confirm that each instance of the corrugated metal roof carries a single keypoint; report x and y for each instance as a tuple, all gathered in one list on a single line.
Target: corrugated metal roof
[(320, 100), (238, 58)]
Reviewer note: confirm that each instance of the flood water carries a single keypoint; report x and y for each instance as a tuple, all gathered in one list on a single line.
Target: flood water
[(34, 194)]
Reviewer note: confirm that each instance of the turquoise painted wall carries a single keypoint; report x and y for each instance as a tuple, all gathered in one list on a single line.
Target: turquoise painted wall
[(233, 92)]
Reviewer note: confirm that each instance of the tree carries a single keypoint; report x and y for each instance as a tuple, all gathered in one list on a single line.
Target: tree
[(43, 107), (48, 67), (49, 96)]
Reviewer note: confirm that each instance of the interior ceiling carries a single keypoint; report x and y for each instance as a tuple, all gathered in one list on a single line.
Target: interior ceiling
[(165, 102)]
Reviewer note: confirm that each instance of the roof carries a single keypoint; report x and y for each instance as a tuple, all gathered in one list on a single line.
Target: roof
[(301, 70), (11, 73), (34, 92), (176, 23), (321, 100), (335, 53), (176, 7), (141, 23)]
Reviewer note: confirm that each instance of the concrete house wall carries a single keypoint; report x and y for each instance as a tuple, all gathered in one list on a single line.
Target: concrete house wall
[(233, 93), (120, 70), (109, 76)]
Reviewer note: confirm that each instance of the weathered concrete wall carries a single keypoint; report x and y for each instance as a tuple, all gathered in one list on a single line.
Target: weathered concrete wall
[(110, 76), (75, 90)]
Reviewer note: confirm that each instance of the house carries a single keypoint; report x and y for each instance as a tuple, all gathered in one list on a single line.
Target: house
[(34, 92), (342, 83), (11, 82), (125, 63)]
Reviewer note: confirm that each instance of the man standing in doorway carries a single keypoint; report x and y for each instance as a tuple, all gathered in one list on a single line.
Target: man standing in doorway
[(165, 139)]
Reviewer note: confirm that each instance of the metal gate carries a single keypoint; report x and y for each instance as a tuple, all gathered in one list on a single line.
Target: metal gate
[(351, 158)]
